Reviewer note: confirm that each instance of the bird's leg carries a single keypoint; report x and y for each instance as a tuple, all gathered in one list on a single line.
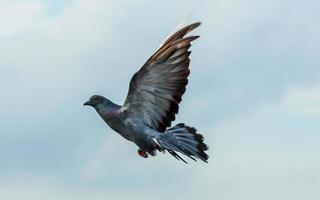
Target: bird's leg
[(142, 153)]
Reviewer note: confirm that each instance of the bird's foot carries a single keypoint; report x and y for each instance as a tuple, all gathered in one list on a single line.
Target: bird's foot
[(142, 153)]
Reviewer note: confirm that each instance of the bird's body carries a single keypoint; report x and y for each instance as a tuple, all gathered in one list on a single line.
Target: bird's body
[(153, 100), (127, 125)]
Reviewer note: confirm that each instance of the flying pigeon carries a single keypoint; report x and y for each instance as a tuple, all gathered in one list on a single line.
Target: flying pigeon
[(152, 102)]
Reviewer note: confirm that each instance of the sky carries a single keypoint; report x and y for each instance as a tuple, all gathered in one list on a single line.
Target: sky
[(253, 92)]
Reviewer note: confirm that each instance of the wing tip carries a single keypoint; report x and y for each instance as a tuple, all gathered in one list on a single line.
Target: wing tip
[(190, 27), (195, 24)]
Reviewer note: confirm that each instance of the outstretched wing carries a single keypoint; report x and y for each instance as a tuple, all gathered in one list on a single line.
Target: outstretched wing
[(156, 89)]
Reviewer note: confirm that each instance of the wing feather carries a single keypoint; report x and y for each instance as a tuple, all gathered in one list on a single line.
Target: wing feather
[(155, 91)]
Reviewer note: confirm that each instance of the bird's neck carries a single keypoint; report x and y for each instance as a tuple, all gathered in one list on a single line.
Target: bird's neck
[(106, 107)]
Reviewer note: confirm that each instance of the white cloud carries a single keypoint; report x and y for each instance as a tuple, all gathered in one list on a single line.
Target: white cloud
[(302, 100), (21, 17), (266, 152), (39, 188), (50, 58)]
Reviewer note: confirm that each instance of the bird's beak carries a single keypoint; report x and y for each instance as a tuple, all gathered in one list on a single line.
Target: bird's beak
[(88, 103)]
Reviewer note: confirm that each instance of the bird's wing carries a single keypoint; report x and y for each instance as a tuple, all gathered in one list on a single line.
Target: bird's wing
[(156, 89)]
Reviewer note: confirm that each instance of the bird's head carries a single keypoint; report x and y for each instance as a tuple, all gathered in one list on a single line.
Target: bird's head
[(95, 100)]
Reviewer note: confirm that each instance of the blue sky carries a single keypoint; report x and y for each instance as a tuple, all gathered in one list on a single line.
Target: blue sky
[(254, 93)]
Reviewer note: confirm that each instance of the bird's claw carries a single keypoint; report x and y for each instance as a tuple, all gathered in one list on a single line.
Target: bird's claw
[(142, 153)]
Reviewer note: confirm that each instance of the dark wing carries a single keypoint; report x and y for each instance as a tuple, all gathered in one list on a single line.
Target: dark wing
[(156, 89)]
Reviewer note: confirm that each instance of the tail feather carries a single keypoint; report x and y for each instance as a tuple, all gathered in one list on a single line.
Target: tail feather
[(183, 139), (174, 154)]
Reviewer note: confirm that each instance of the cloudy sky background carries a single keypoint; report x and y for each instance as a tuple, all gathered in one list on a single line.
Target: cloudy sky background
[(254, 93)]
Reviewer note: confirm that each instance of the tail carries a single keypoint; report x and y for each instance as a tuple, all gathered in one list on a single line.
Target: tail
[(183, 139)]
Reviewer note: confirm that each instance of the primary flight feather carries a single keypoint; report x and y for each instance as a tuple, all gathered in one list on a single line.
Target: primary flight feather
[(152, 102)]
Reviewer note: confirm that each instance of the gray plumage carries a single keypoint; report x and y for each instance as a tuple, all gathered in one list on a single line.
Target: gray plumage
[(152, 102)]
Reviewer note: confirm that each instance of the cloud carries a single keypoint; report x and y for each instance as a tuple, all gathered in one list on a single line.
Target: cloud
[(50, 58), (17, 18), (39, 188), (268, 151), (302, 100)]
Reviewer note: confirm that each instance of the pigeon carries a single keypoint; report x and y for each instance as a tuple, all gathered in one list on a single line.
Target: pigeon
[(152, 102)]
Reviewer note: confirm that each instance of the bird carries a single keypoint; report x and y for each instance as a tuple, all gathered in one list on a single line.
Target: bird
[(152, 103)]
